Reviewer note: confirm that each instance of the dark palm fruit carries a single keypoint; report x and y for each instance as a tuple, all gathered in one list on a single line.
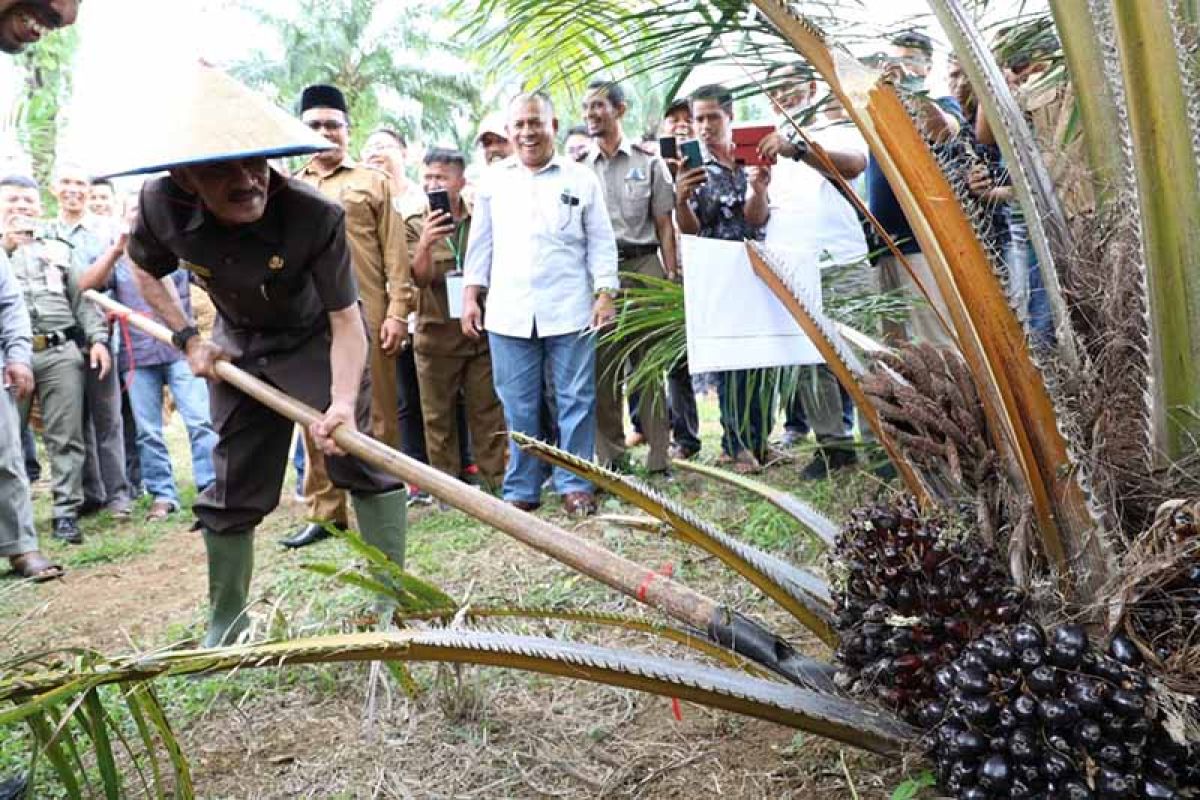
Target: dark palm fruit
[(1127, 703), (1111, 755), (1075, 790), (979, 710), (969, 743), (1110, 783), (1057, 767), (994, 773), (1026, 708), (1088, 695), (1058, 713), (1072, 636), (1043, 681), (1022, 744), (1026, 635), (1031, 658), (1088, 734), (1153, 790), (931, 713), (1000, 656), (1124, 650), (974, 793)]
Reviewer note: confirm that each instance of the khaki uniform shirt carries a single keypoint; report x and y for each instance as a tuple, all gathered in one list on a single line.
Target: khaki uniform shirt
[(637, 188), (376, 237), (273, 281), (437, 332), (47, 270)]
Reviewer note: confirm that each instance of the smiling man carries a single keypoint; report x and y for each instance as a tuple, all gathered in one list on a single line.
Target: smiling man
[(24, 22), (375, 234), (542, 246), (104, 481), (272, 254), (639, 197)]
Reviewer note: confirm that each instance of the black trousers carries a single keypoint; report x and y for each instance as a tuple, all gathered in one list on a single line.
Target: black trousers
[(253, 442), (412, 423)]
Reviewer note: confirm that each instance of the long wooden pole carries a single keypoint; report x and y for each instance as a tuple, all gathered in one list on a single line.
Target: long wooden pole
[(628, 577)]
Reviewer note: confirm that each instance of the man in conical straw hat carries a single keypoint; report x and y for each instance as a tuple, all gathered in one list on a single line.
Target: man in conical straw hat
[(271, 252)]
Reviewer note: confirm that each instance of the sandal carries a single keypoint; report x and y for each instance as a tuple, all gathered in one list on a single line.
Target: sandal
[(35, 567)]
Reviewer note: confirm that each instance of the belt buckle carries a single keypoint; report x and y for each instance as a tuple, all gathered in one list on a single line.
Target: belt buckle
[(39, 342)]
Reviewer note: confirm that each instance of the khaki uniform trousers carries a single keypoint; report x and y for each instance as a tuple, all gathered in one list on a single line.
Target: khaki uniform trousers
[(59, 379), (327, 503), (610, 384), (17, 535), (447, 362)]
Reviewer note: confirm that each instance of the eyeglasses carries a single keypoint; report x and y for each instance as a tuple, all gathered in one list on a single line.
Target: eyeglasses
[(326, 124)]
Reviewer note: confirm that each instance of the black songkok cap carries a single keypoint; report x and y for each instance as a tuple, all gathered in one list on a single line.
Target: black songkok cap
[(323, 96)]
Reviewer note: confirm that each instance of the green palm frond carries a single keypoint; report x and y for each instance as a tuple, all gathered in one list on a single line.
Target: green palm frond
[(384, 578), (803, 594)]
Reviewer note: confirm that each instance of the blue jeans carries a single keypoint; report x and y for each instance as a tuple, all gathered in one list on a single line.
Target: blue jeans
[(517, 365), (191, 399)]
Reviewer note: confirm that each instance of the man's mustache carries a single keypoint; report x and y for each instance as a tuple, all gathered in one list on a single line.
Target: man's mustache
[(240, 195)]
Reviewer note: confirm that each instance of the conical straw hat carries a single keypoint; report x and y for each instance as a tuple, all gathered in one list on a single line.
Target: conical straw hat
[(208, 116)]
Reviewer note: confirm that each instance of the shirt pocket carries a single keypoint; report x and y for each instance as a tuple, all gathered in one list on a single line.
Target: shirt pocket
[(358, 204)]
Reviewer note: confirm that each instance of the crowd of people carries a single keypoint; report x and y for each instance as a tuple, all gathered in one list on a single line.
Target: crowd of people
[(485, 302)]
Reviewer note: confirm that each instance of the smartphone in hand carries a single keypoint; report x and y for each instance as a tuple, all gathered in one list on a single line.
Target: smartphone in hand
[(439, 200), (668, 147), (692, 157)]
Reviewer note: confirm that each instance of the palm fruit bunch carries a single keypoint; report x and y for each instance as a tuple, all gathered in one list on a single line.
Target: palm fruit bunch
[(912, 597), (1024, 715)]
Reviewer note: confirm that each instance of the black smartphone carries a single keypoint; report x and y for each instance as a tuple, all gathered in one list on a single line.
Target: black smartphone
[(692, 157), (668, 147), (439, 200)]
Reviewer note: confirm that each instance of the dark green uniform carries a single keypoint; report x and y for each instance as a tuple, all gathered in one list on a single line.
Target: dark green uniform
[(273, 283), (64, 326)]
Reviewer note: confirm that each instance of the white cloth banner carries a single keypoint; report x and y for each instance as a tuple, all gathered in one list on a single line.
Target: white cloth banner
[(733, 320)]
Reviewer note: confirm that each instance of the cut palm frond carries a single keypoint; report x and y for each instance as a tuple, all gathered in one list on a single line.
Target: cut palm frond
[(844, 720), (809, 518), (696, 640), (801, 593)]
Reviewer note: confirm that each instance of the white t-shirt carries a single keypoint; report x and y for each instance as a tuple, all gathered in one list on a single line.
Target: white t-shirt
[(807, 211)]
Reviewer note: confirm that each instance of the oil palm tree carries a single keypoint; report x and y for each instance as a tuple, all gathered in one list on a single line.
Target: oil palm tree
[(397, 65)]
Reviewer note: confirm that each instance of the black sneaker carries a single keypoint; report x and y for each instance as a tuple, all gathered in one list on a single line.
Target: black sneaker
[(67, 530), (827, 461)]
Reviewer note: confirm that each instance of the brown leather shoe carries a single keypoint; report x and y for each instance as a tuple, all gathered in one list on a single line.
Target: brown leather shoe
[(159, 511), (579, 504), (524, 505)]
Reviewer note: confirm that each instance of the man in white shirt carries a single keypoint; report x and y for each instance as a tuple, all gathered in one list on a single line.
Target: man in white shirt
[(542, 247), (809, 213)]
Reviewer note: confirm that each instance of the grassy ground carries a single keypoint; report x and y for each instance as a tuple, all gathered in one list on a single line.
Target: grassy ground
[(335, 732)]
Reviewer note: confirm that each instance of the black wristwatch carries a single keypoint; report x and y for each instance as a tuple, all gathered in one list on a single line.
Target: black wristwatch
[(181, 337), (801, 146)]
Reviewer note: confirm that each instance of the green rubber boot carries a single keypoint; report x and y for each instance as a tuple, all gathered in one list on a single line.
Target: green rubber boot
[(230, 565), (383, 521)]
